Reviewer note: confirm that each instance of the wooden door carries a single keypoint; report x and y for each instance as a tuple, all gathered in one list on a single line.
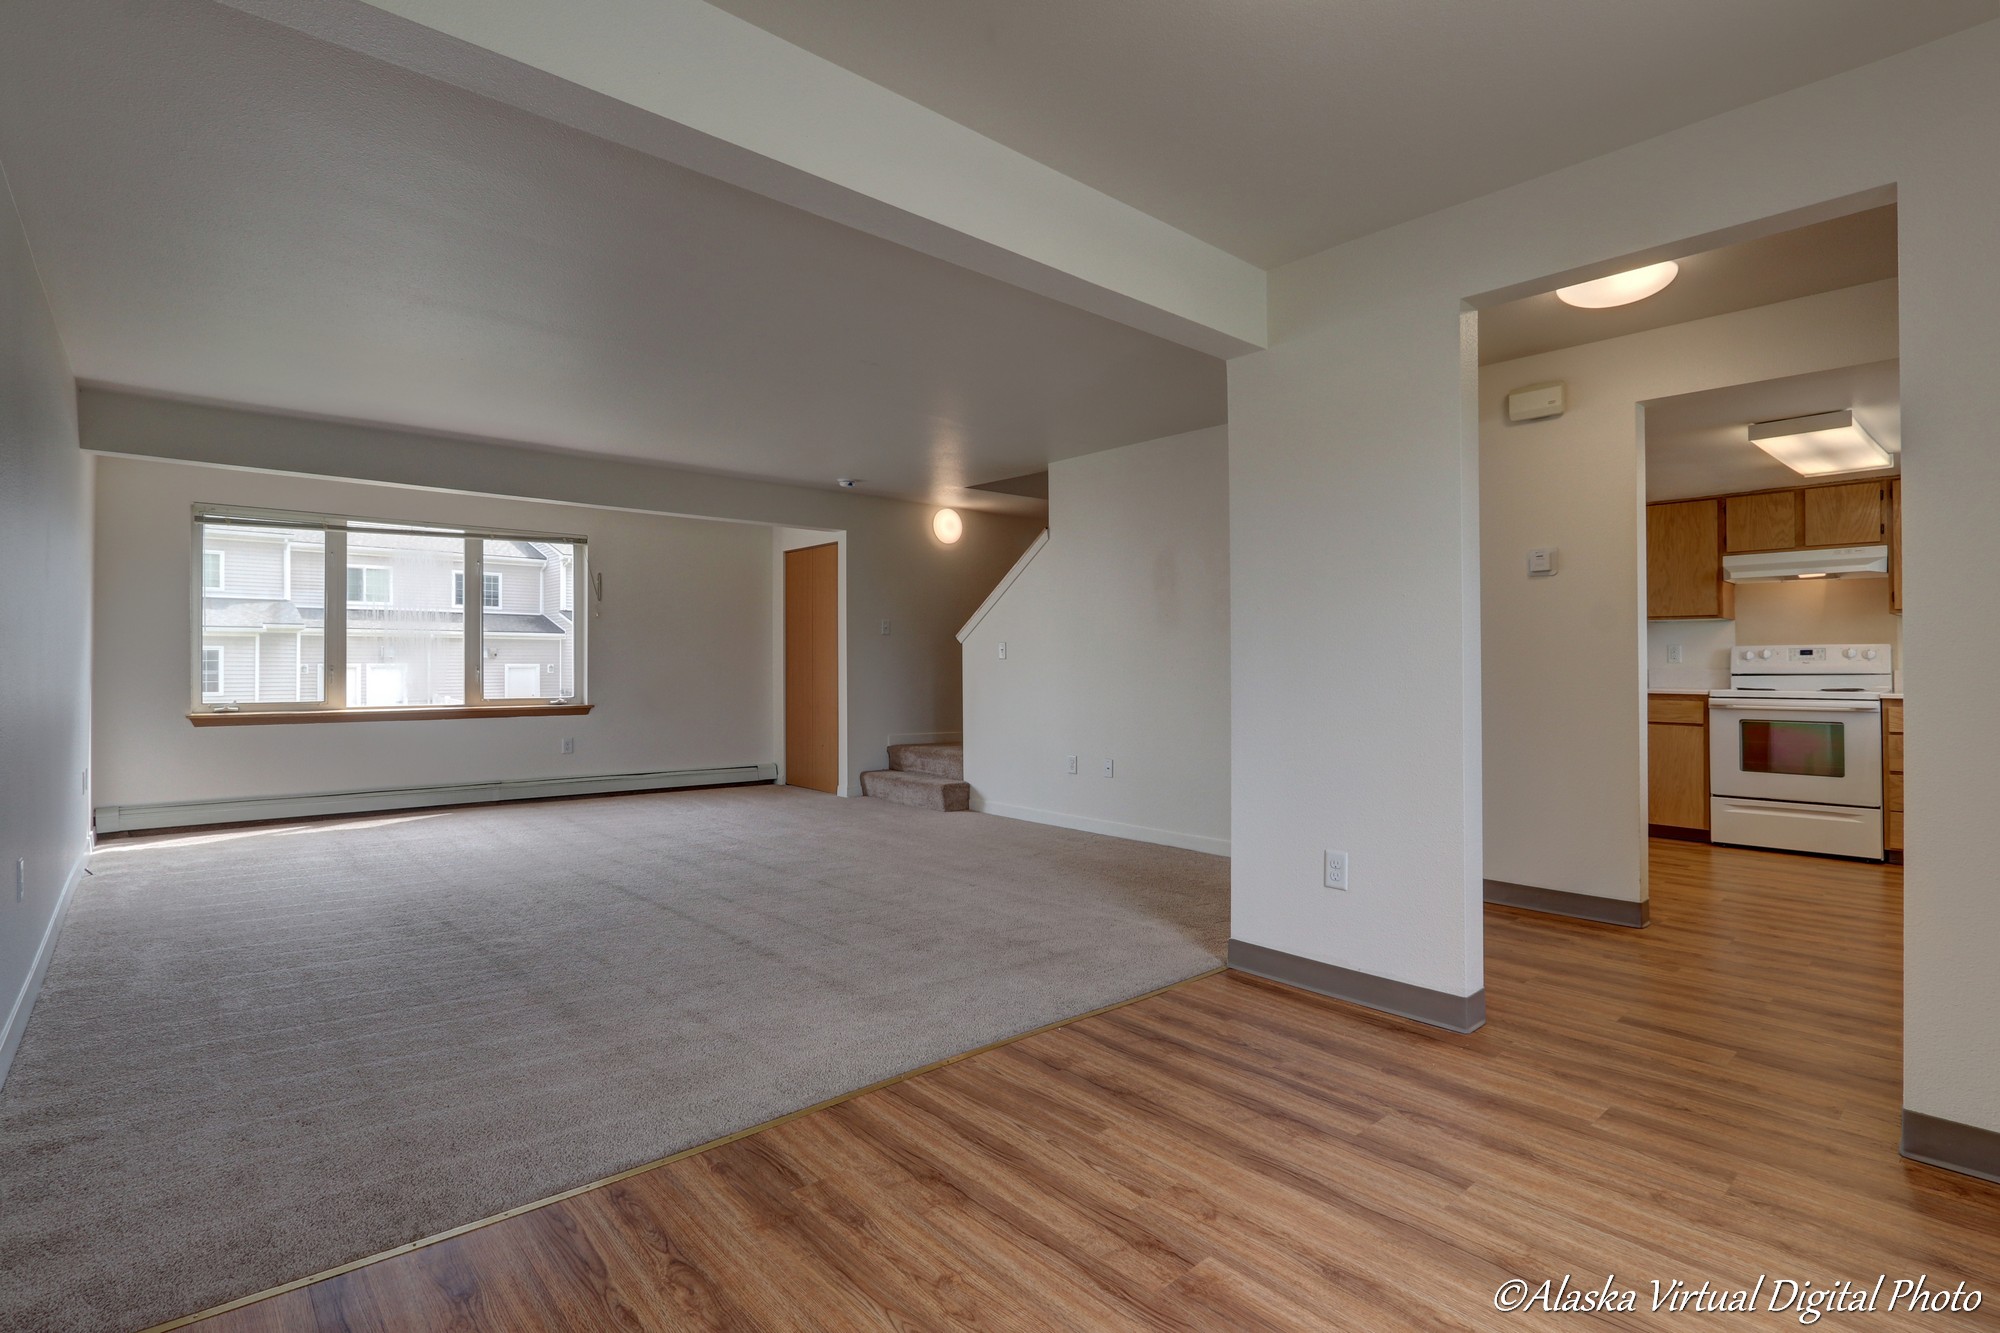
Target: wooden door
[(1762, 522), (1684, 562), (812, 668), (1852, 514)]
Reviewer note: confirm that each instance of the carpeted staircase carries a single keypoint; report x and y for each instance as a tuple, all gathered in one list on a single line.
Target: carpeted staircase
[(928, 777)]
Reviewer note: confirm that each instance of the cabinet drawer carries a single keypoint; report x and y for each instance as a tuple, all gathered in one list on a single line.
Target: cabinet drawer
[(1892, 752), (1892, 716), (1689, 709), (1892, 793)]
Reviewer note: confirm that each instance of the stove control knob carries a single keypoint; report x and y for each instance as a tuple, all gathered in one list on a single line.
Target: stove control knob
[(1851, 653), (1747, 654), (1870, 654), (1764, 653)]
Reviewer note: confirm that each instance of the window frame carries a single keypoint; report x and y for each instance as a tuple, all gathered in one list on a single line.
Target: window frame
[(213, 708)]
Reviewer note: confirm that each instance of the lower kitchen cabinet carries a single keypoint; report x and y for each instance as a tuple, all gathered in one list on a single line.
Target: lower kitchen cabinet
[(1892, 777), (1677, 764)]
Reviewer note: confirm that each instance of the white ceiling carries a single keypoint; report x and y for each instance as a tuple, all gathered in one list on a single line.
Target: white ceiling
[(225, 209), (1274, 130), (1699, 443), (1842, 252)]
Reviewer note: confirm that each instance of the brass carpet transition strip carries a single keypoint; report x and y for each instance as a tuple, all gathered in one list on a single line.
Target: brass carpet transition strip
[(699, 1148)]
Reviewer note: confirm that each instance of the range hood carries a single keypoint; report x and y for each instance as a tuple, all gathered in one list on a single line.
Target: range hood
[(1844, 562)]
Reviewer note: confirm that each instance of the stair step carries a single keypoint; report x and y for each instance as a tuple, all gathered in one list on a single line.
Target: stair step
[(921, 791), (940, 761)]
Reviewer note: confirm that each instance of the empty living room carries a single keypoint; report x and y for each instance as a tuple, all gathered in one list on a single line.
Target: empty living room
[(838, 664)]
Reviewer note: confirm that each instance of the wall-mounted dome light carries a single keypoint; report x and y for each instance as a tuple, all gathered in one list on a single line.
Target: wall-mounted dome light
[(947, 526), (1620, 288)]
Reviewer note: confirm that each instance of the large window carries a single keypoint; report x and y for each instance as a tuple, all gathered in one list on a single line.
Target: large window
[(273, 637)]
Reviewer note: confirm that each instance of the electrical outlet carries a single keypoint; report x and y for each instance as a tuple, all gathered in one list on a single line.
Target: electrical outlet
[(885, 629), (1003, 650), (1336, 870), (1673, 652), (1107, 768), (21, 880), (1072, 763), (569, 745)]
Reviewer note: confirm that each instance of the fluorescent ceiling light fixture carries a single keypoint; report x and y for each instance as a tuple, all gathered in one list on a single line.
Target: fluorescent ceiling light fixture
[(1620, 288), (1817, 445), (948, 526)]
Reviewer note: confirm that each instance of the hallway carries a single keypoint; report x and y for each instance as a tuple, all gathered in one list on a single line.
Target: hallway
[(1711, 1099)]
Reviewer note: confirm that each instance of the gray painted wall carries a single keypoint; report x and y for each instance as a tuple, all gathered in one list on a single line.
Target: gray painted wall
[(45, 643)]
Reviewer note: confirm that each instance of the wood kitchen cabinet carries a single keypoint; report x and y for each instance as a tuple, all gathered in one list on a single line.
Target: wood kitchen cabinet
[(1677, 765), (1896, 545), (1764, 521), (1892, 778), (1850, 514), (1684, 562)]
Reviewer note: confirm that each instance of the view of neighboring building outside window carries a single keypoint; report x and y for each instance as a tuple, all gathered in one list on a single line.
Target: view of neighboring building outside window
[(405, 628), (528, 636), (263, 614), (263, 618)]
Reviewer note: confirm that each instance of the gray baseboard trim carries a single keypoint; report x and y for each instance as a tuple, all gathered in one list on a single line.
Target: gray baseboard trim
[(257, 809), (1456, 1013), (31, 986), (1582, 906), (1966, 1149)]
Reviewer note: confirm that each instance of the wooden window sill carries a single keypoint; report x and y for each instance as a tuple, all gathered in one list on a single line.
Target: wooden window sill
[(271, 718)]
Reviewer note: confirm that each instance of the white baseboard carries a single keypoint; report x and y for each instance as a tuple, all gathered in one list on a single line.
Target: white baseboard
[(249, 809), (1193, 842), (24, 1001)]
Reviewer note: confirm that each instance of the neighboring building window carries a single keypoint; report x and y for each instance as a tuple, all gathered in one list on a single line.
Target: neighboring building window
[(490, 593), (211, 571), (211, 672), (368, 585)]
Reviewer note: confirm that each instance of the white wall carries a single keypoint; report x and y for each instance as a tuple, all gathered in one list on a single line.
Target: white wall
[(45, 647), (1353, 521), (1564, 679), (679, 658), (1117, 647), (907, 682)]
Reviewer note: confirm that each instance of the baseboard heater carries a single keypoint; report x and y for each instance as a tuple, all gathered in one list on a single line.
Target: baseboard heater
[(254, 809)]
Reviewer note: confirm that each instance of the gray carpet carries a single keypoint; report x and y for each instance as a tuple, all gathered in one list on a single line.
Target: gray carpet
[(263, 1053)]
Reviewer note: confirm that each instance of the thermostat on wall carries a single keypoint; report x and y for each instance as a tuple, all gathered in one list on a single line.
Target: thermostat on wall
[(1535, 402)]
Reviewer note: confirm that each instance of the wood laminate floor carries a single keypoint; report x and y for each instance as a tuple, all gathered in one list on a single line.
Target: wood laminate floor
[(1712, 1099)]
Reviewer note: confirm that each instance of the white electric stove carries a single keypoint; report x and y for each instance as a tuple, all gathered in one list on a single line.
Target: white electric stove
[(1795, 748)]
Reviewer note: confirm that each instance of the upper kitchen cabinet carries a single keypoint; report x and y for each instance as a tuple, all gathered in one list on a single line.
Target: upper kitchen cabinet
[(1850, 514), (1764, 521), (1684, 562), (1896, 545)]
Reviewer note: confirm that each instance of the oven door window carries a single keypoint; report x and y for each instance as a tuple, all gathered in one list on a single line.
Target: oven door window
[(1803, 749)]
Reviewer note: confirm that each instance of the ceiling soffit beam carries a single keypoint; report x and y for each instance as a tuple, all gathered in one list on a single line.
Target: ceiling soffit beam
[(687, 83)]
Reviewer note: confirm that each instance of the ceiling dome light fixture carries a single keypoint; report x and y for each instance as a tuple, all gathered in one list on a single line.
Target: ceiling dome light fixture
[(947, 526), (1620, 288)]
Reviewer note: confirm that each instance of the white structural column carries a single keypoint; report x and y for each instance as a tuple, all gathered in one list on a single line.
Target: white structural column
[(691, 84)]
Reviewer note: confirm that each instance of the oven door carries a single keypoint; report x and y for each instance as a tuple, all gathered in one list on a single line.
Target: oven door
[(1796, 750)]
